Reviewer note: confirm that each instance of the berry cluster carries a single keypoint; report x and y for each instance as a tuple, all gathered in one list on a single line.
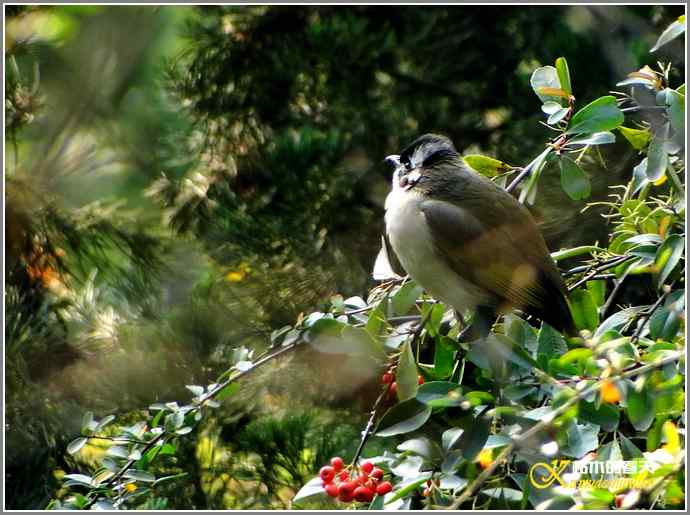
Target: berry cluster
[(350, 486), (389, 378)]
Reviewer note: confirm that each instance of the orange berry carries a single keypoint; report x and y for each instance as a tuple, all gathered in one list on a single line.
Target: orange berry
[(609, 392)]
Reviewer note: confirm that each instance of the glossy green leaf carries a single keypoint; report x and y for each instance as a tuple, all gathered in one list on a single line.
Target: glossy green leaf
[(440, 394), (487, 166), (668, 257), (405, 298), (670, 33), (407, 374), (601, 115), (313, 489), (545, 83), (474, 438), (574, 180), (450, 438), (584, 309), (628, 449), (550, 344), (76, 445), (640, 408), (597, 138), (607, 416), (657, 157), (564, 75), (444, 357), (638, 138), (403, 418), (407, 486)]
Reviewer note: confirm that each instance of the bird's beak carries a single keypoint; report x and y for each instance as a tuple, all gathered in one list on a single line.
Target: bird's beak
[(393, 160)]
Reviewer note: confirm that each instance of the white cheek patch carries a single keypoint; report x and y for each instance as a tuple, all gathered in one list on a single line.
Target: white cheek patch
[(409, 180)]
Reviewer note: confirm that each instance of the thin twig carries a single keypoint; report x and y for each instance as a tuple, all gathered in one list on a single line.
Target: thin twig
[(647, 316), (614, 293), (642, 108), (545, 422), (210, 394), (521, 176), (372, 417)]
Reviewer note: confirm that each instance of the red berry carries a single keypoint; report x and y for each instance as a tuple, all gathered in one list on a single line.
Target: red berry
[(345, 491), (367, 467), (393, 388), (619, 500), (377, 473), (361, 479), (337, 463), (327, 474), (420, 379), (384, 488), (363, 494), (344, 475), (331, 489), (387, 378)]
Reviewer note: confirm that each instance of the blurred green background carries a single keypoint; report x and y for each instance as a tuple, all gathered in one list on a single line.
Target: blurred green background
[(181, 181)]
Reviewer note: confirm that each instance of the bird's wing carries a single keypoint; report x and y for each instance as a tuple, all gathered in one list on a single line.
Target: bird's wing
[(505, 256), (387, 265)]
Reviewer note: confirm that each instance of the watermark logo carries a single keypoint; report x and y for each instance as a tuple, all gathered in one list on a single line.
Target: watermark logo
[(543, 475)]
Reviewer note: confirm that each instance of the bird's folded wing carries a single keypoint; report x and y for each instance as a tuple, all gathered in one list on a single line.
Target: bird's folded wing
[(387, 265), (505, 256)]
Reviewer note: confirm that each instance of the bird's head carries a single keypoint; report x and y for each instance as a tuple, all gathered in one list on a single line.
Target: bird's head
[(419, 157)]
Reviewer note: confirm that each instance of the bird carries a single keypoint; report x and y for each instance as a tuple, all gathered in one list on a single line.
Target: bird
[(467, 241)]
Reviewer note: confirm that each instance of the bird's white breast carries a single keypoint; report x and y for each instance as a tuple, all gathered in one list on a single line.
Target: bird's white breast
[(411, 240)]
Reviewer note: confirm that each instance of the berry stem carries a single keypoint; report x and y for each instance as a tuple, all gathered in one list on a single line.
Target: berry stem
[(384, 391)]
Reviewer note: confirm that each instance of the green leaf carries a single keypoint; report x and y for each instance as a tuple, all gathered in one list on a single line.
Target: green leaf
[(668, 256), (601, 115), (564, 75), (556, 117), (474, 438), (528, 192), (407, 374), (377, 319), (140, 475), (606, 416), (584, 310), (574, 180), (664, 324), (672, 32), (597, 138), (550, 344), (87, 422), (118, 451), (618, 320), (487, 166), (78, 479), (313, 489), (521, 333), (75, 445), (582, 438), (405, 298), (407, 416), (440, 394), (422, 447), (545, 84), (450, 438), (444, 357), (597, 289), (628, 449), (657, 157), (638, 138), (499, 346), (640, 408), (407, 486)]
